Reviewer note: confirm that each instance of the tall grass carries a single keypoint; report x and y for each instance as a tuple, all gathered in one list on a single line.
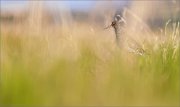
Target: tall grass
[(84, 67), (79, 64)]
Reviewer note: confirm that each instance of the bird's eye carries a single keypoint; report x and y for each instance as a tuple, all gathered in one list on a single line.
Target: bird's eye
[(113, 23)]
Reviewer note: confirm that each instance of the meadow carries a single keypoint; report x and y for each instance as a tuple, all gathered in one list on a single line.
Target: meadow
[(82, 66)]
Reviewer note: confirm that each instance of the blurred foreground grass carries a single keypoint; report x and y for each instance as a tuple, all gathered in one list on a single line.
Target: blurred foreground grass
[(59, 69)]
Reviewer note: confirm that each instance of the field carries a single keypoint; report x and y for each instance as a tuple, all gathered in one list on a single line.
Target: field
[(82, 66)]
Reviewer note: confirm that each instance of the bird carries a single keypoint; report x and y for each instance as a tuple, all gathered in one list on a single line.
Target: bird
[(119, 24)]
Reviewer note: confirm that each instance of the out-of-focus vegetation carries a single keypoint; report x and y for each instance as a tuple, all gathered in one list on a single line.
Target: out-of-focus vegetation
[(81, 65)]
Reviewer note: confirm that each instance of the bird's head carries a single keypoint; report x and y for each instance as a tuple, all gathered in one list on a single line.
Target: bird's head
[(119, 18)]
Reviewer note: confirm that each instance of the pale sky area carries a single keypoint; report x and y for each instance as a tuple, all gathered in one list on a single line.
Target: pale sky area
[(78, 5)]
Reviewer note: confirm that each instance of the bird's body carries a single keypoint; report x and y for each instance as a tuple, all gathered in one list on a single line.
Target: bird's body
[(119, 25)]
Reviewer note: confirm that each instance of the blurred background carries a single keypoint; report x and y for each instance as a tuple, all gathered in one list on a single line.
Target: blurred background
[(155, 13), (57, 53)]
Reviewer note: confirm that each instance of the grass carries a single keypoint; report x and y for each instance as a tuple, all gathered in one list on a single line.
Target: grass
[(75, 68)]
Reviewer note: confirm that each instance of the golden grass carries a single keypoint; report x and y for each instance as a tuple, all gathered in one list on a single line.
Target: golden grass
[(81, 65)]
